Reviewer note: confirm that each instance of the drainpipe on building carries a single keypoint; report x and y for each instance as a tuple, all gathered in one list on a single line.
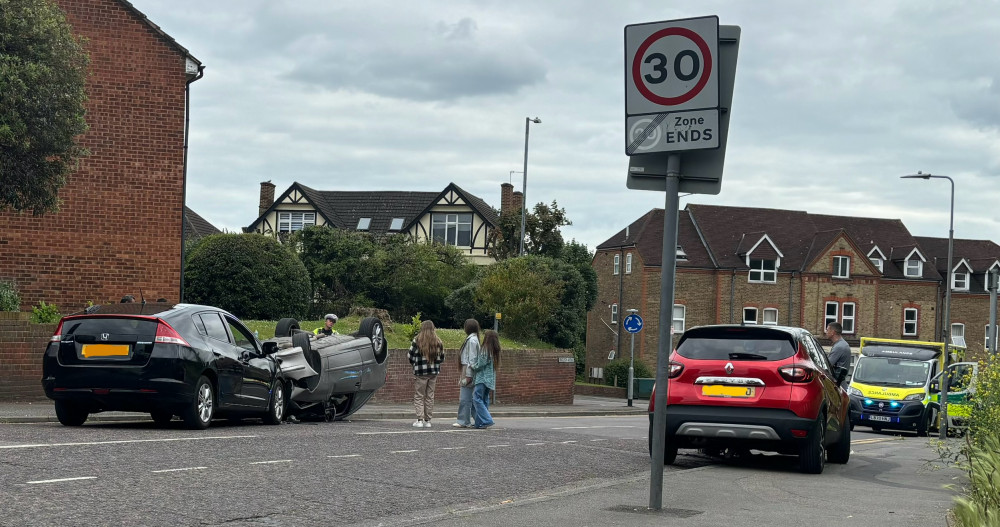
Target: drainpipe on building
[(791, 278), (732, 295), (187, 134)]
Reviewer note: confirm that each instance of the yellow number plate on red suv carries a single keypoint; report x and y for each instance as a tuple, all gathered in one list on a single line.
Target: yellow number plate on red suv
[(104, 350), (718, 390)]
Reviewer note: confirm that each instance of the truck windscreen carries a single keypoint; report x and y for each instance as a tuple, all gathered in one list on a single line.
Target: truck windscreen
[(887, 371)]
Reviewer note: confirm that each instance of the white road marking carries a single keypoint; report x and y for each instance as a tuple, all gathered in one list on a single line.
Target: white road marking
[(123, 442), (495, 446), (589, 427), (598, 439), (534, 444), (275, 461), (346, 455), (60, 480), (390, 432), (401, 451), (178, 469), (451, 448), (568, 442)]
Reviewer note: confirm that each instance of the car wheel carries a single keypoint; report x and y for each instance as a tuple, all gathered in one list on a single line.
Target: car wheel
[(285, 327), (200, 411), (841, 451), (371, 327), (669, 454), (161, 418), (812, 456), (69, 414), (276, 408)]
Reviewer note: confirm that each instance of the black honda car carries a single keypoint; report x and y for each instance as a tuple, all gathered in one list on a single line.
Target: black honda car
[(197, 362)]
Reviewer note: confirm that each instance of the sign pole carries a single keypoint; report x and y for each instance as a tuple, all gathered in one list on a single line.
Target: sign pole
[(631, 369), (667, 270)]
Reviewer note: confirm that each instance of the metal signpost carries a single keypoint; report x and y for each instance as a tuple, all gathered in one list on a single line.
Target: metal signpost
[(679, 77), (632, 324)]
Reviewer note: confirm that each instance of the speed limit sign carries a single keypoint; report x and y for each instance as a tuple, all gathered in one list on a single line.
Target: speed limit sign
[(672, 85)]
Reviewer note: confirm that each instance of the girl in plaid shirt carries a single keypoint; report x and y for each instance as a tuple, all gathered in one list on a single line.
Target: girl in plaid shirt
[(426, 355)]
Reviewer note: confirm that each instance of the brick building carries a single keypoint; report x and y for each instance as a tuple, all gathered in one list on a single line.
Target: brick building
[(120, 223), (773, 266)]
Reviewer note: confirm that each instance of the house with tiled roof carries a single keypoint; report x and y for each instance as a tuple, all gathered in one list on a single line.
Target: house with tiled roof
[(196, 227), (452, 216), (767, 266)]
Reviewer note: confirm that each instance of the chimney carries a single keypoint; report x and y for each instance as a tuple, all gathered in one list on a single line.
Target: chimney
[(506, 198), (518, 201), (266, 197)]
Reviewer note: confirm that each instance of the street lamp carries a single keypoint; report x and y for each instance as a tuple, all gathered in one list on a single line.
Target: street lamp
[(524, 172), (943, 429)]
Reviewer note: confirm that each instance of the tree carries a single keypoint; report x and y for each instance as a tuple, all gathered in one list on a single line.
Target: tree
[(339, 266), (42, 74), (250, 275), (520, 289), (541, 233)]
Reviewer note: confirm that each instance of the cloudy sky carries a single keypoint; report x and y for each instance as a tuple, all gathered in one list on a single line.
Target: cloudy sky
[(833, 102)]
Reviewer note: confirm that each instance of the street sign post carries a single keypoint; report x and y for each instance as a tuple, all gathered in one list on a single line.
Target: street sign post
[(632, 324), (679, 77)]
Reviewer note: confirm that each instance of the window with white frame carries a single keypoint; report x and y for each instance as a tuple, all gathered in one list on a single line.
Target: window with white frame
[(614, 313), (763, 271), (910, 316), (618, 263), (986, 337), (831, 313), (364, 224), (847, 316), (770, 316), (957, 330), (841, 266), (914, 268), (960, 281), (452, 229), (749, 315), (628, 263), (678, 322), (295, 221), (877, 262)]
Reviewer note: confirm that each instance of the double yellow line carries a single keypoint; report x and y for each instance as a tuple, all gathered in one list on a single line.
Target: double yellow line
[(876, 440)]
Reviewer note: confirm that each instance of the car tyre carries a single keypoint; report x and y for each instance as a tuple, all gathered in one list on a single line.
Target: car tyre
[(198, 415), (841, 451), (69, 414), (371, 327), (286, 327), (161, 418), (669, 454), (276, 408), (812, 455)]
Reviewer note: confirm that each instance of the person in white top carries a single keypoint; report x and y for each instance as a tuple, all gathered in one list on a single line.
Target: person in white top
[(468, 356)]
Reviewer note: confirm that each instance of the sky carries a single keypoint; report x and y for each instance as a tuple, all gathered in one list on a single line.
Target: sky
[(833, 102)]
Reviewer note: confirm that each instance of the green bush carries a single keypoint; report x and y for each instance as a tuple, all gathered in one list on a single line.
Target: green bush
[(984, 419), (10, 299), (250, 275), (408, 331), (981, 505), (619, 368), (45, 313)]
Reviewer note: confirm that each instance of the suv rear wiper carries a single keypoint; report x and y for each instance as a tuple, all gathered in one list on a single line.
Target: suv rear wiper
[(746, 356)]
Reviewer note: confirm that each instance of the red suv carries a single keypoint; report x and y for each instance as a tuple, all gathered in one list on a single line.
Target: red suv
[(755, 387)]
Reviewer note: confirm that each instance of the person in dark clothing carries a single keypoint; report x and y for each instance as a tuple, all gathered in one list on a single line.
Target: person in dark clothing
[(840, 353)]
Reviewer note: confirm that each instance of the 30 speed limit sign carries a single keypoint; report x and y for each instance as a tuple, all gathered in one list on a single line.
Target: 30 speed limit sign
[(672, 85)]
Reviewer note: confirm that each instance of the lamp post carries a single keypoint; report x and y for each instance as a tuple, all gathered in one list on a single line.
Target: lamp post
[(524, 185), (945, 381)]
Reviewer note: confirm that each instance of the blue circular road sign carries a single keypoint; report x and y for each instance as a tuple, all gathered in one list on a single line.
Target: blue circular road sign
[(632, 323)]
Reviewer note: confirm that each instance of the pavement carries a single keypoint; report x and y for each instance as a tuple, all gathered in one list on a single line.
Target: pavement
[(43, 411)]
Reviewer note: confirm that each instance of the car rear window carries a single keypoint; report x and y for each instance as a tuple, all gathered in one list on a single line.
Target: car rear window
[(738, 343), (109, 329)]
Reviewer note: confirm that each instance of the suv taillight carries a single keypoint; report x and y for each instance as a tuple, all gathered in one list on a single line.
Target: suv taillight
[(797, 373), (167, 335), (675, 369)]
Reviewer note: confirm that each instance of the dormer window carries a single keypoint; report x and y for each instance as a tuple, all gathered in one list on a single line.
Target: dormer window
[(878, 263), (841, 266), (914, 268), (364, 224), (960, 281), (681, 255), (763, 271), (986, 276)]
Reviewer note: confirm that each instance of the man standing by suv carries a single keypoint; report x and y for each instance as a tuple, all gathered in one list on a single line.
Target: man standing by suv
[(840, 353)]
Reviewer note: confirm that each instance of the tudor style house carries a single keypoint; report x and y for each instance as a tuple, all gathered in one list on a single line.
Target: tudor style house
[(783, 267), (452, 216)]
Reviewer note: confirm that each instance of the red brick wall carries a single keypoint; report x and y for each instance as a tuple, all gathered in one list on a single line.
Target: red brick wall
[(524, 377), (119, 224), (21, 346)]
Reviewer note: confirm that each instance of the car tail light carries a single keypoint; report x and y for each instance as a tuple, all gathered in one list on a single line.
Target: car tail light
[(675, 369), (797, 373), (652, 397), (57, 336), (167, 335), (799, 433)]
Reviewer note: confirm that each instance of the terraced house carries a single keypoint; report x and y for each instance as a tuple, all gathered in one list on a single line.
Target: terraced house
[(785, 267)]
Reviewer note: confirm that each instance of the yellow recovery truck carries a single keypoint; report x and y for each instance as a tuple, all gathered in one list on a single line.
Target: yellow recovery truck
[(896, 385)]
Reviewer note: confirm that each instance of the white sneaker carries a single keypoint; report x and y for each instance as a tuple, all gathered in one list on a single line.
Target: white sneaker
[(458, 425), (418, 424), (427, 424)]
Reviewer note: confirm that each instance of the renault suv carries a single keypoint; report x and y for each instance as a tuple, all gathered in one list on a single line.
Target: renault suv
[(767, 388)]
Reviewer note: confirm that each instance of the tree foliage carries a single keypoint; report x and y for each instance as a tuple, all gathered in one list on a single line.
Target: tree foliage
[(542, 235), (250, 275), (42, 94), (522, 290)]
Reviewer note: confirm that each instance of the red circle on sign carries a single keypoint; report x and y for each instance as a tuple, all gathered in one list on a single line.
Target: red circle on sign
[(706, 55)]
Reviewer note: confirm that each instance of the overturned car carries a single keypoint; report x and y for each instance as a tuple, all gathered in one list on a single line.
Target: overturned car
[(201, 362)]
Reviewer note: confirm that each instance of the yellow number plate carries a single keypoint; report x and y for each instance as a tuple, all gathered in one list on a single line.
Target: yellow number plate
[(104, 350), (717, 390)]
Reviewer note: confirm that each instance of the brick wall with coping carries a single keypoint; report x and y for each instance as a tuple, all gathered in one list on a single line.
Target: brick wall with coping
[(21, 346)]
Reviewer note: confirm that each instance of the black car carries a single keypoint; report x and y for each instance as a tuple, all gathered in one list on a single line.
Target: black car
[(194, 361)]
